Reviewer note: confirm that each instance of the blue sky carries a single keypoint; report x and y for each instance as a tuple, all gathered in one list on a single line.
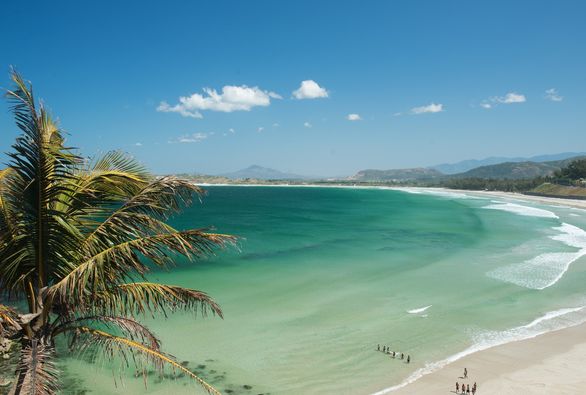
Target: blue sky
[(420, 75)]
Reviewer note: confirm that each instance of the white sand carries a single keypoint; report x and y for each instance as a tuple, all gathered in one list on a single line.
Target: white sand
[(553, 363)]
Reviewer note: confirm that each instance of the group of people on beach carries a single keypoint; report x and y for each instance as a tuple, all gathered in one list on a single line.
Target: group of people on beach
[(393, 354), (464, 389)]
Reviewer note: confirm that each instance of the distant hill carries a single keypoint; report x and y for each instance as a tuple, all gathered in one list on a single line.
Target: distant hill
[(465, 165), (262, 173), (516, 170), (416, 174)]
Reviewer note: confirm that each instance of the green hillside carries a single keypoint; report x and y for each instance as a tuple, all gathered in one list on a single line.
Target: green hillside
[(416, 174), (516, 170)]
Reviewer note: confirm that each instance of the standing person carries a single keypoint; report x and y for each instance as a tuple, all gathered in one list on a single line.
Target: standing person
[(465, 373), (378, 347), (384, 348), (468, 389), (408, 358), (457, 387), (402, 356), (473, 390)]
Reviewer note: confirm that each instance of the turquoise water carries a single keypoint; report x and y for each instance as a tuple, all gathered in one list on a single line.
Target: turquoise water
[(323, 275)]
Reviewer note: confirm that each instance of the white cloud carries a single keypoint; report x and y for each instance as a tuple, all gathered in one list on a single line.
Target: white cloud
[(310, 89), (179, 108), (486, 105), (190, 138), (138, 144), (260, 129), (509, 98), (276, 125), (553, 95), (353, 117), (232, 98), (231, 130), (307, 125), (429, 109)]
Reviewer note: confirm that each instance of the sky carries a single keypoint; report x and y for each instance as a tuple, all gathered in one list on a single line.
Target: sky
[(315, 88)]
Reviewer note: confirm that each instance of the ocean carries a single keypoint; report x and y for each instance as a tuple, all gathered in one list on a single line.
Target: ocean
[(322, 276)]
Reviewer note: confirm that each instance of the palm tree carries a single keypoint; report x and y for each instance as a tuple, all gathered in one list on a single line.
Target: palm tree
[(77, 239)]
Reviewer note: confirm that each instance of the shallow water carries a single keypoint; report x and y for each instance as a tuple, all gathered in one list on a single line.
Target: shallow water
[(326, 274)]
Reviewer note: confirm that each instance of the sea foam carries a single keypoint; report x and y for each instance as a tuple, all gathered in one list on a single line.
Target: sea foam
[(551, 321), (419, 310), (546, 269), (522, 210)]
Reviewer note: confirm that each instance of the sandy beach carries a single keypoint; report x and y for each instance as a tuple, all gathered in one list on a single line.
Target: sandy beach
[(552, 363), (534, 199)]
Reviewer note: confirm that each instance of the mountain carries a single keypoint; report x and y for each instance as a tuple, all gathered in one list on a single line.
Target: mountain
[(516, 170), (396, 175), (262, 173), (465, 165)]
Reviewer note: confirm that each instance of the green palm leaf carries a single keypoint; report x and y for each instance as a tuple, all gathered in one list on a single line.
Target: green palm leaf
[(128, 349)]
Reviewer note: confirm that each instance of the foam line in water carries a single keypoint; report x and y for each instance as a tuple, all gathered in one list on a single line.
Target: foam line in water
[(419, 310), (551, 321), (522, 210), (437, 192), (546, 269)]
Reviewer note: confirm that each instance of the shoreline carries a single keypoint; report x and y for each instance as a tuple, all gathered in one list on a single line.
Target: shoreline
[(555, 201), (551, 363)]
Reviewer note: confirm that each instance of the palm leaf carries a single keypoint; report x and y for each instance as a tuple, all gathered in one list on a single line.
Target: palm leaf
[(129, 327), (116, 345), (9, 318), (143, 297), (118, 262), (39, 375), (42, 165)]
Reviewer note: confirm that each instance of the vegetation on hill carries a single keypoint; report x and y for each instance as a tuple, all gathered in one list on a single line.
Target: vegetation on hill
[(567, 181), (465, 165), (516, 170), (416, 174), (77, 238), (556, 190), (573, 174), (510, 170)]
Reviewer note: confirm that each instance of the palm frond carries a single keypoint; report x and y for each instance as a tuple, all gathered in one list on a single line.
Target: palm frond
[(111, 179), (8, 319), (117, 263), (129, 327), (140, 298), (146, 210), (42, 165), (128, 349), (40, 376)]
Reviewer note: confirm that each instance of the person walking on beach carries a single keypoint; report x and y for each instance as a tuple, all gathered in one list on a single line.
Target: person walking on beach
[(465, 373), (457, 387), (378, 347), (402, 356), (408, 358), (468, 389)]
